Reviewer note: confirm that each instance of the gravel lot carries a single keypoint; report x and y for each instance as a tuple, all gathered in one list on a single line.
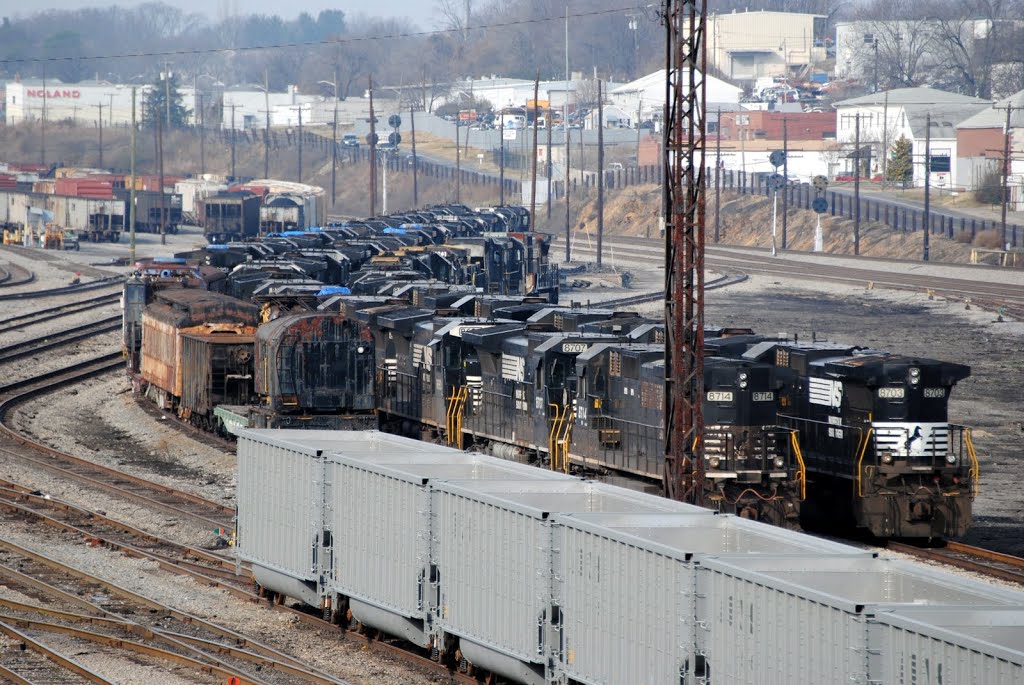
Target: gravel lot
[(101, 420)]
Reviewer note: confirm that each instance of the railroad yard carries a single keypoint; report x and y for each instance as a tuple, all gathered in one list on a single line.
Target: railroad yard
[(100, 420)]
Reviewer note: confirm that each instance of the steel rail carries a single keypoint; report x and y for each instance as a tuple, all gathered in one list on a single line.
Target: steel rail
[(54, 340), (150, 607), (9, 280), (137, 647), (220, 570), (968, 558), (147, 492), (720, 282), (60, 311), (53, 656), (64, 290)]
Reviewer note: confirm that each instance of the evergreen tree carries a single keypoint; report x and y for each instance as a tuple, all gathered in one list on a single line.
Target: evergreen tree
[(900, 168), (156, 104)]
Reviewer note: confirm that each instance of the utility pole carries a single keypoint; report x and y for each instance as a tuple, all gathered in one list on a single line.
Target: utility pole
[(160, 160), (549, 167), (501, 163), (785, 181), (131, 193), (334, 155), (684, 210), (856, 186), (167, 92), (458, 165), (110, 110), (639, 111), (415, 163), (565, 122), (568, 228), (533, 156), (100, 121), (42, 125), (927, 184), (202, 135), (1006, 176), (300, 143), (233, 106), (718, 178), (373, 153), (885, 139), (600, 173), (266, 124)]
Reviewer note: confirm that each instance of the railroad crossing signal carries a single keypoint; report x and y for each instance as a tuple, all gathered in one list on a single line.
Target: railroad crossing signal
[(395, 138), (372, 138), (777, 158)]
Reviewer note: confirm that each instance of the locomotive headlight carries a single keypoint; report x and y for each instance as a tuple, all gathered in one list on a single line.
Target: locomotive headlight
[(950, 458), (915, 375), (360, 349), (886, 457), (743, 384), (743, 376), (779, 462), (715, 461)]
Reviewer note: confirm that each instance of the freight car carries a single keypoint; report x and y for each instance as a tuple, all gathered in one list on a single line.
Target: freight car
[(229, 216), (501, 570), (217, 368), (876, 435), (95, 219), (150, 215)]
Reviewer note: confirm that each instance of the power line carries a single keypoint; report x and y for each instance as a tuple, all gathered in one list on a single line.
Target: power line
[(315, 43)]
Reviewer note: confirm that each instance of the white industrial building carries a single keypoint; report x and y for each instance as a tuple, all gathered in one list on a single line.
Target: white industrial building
[(646, 95), (748, 45), (903, 112), (27, 99), (509, 92)]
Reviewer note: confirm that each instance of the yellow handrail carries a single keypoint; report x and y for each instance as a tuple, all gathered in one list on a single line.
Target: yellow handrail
[(975, 471), (566, 439), (802, 474), (461, 415), (860, 459), (556, 422)]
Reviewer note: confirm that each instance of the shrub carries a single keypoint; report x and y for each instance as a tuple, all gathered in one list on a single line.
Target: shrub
[(990, 189)]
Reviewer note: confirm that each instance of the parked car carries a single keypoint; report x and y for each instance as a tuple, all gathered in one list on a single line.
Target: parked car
[(350, 140)]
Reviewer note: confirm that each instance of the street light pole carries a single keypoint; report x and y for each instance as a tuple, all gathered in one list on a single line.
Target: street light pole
[(927, 182)]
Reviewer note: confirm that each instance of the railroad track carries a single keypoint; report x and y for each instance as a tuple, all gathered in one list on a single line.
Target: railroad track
[(989, 294), (970, 558), (71, 335), (714, 284), (14, 323), (108, 282), (98, 611), (11, 275), (154, 495)]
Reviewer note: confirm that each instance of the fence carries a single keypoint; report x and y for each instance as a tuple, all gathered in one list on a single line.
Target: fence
[(800, 195), (895, 216)]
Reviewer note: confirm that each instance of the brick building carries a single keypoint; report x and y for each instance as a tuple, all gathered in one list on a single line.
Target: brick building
[(759, 125)]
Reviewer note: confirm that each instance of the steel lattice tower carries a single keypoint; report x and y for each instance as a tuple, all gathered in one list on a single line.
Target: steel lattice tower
[(683, 209)]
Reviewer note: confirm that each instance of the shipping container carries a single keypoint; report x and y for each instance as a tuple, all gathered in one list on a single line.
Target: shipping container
[(776, 621), (625, 588), (494, 556)]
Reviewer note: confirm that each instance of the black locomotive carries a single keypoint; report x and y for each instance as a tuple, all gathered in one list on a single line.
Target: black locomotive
[(440, 326)]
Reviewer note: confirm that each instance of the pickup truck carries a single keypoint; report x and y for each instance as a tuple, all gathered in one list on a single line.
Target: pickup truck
[(350, 140), (70, 240)]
